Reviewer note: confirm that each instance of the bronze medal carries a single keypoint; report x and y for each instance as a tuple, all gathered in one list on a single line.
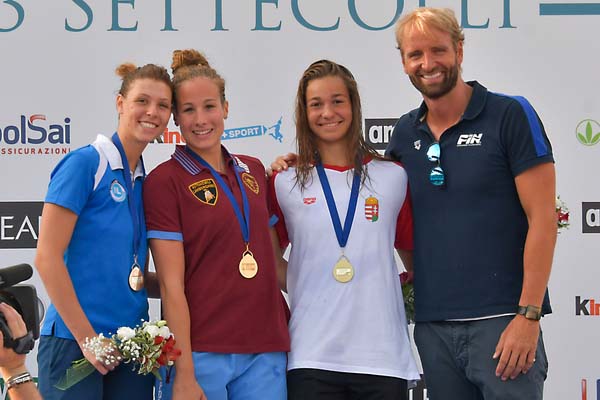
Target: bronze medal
[(248, 265), (136, 278), (343, 271)]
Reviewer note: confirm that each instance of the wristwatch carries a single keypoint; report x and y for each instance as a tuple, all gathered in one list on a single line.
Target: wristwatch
[(530, 312)]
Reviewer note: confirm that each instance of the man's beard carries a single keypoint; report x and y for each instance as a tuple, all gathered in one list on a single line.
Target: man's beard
[(439, 90)]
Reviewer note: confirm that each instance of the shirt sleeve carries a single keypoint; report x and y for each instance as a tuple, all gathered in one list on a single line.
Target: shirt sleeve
[(524, 137), (72, 180), (404, 225), (162, 206), (275, 212)]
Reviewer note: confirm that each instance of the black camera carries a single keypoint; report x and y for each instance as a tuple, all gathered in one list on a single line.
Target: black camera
[(22, 298)]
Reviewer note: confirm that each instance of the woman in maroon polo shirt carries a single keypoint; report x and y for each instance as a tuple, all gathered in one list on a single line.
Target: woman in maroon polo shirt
[(208, 224)]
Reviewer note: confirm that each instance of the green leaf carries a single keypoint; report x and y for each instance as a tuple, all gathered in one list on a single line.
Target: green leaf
[(581, 138), (596, 138), (588, 132)]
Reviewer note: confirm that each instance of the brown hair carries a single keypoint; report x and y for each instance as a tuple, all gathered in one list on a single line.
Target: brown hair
[(189, 64), (308, 152), (129, 73), (424, 19)]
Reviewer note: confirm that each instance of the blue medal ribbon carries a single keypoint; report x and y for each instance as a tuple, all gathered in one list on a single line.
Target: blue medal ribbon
[(133, 209), (244, 220), (342, 234)]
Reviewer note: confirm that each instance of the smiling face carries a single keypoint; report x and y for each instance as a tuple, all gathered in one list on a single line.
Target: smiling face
[(145, 110), (329, 109), (200, 114), (431, 61)]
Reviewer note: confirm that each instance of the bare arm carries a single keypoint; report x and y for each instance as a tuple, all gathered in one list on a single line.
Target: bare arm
[(518, 343), (13, 364), (151, 281), (169, 260), (55, 235)]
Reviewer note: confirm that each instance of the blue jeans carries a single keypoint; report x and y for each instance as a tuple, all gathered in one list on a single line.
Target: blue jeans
[(55, 356), (458, 365), (234, 376)]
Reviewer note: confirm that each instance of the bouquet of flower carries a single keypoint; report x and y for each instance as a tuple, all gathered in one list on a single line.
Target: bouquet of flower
[(562, 214), (146, 347), (408, 292)]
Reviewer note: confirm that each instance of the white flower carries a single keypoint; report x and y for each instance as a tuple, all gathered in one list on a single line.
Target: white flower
[(125, 333), (164, 332), (153, 330)]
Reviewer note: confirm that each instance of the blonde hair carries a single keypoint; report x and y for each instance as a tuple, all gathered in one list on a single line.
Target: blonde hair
[(129, 73), (189, 64), (425, 19)]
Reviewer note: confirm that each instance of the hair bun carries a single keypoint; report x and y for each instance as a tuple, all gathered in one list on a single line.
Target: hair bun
[(125, 69), (188, 57)]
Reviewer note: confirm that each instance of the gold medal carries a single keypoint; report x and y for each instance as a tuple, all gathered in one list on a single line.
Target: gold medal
[(136, 278), (343, 271), (248, 265)]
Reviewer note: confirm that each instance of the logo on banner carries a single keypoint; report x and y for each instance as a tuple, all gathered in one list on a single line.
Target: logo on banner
[(274, 131), (19, 224), (34, 136), (588, 132), (584, 389), (590, 215), (378, 132), (372, 209), (586, 307), (250, 182), (205, 191)]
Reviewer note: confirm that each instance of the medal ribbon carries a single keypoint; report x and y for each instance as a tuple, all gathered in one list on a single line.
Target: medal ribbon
[(244, 220), (135, 218), (342, 233)]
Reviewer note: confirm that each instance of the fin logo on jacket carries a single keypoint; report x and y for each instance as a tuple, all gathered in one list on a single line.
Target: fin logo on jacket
[(250, 182), (205, 191), (372, 209)]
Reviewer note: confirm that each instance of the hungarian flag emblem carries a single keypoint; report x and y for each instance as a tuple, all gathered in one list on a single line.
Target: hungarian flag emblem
[(372, 209)]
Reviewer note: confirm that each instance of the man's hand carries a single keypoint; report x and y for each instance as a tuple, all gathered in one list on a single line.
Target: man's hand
[(516, 347)]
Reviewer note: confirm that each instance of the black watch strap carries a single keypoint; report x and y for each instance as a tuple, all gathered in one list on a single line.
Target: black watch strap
[(24, 344), (530, 312)]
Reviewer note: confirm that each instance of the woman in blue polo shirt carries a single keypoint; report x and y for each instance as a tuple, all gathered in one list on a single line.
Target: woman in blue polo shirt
[(92, 246)]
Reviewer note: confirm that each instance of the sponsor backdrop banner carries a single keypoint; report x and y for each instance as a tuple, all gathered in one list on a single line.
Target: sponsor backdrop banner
[(59, 89)]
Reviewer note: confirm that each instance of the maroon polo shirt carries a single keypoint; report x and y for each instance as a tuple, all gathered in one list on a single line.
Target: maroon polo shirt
[(228, 313)]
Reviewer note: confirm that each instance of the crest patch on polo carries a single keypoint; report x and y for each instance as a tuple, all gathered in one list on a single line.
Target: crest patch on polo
[(372, 209), (205, 191), (250, 182)]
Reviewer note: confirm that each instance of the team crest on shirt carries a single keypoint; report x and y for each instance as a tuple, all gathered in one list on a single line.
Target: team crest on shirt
[(117, 191), (417, 144), (250, 182), (205, 191), (372, 209)]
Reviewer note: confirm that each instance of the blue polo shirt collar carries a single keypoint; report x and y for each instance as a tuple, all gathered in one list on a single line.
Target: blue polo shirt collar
[(111, 153), (474, 108)]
